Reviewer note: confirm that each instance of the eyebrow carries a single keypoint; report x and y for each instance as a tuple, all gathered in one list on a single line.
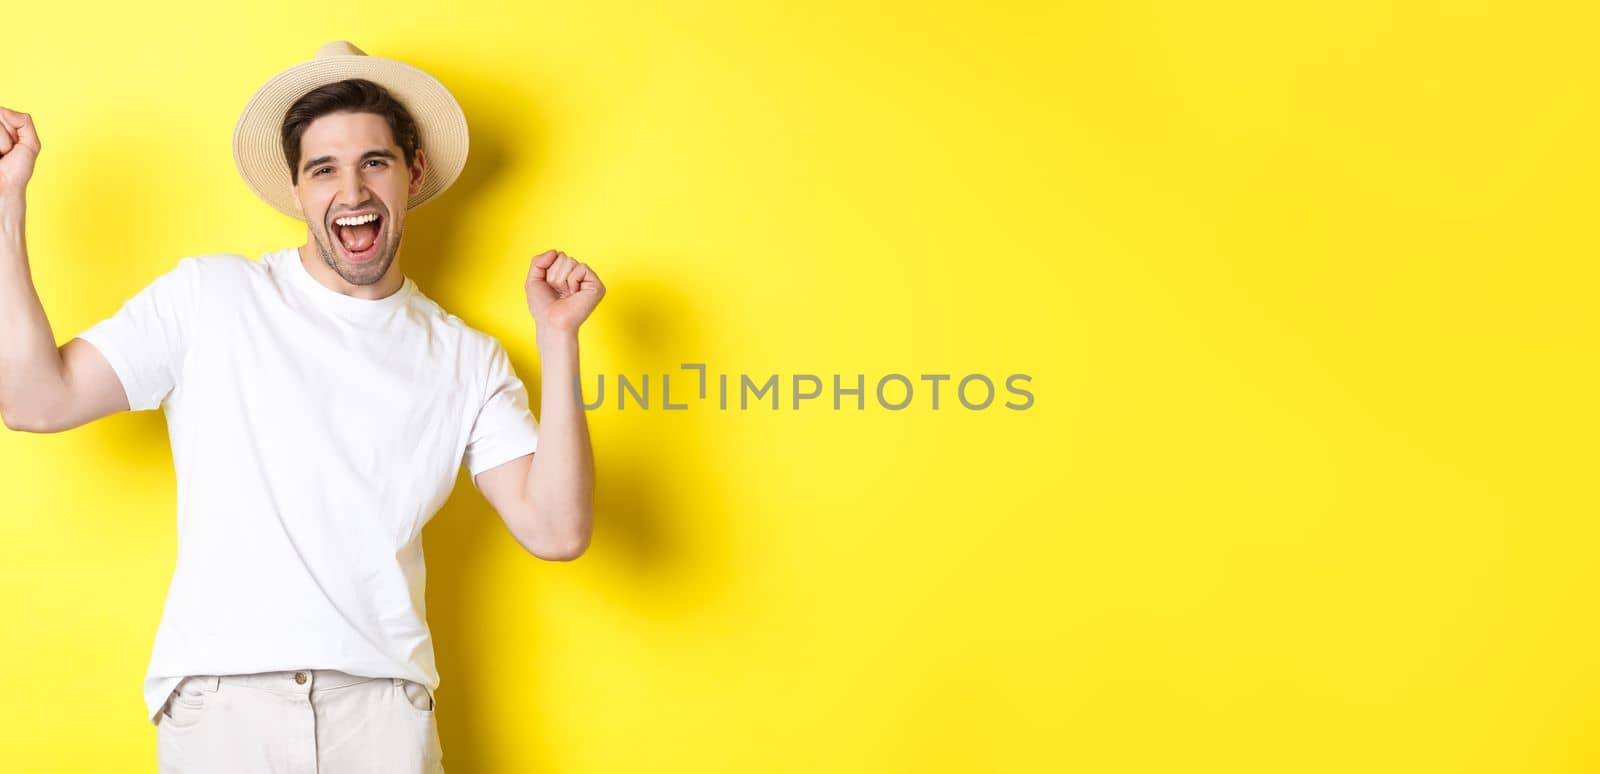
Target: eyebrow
[(320, 160)]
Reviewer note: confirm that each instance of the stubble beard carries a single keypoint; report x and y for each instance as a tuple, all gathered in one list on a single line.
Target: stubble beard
[(366, 273)]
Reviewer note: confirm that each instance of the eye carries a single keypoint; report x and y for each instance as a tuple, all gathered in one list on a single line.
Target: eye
[(319, 171), (378, 161)]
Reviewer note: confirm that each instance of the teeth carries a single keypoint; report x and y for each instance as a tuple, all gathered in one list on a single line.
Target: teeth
[(357, 220)]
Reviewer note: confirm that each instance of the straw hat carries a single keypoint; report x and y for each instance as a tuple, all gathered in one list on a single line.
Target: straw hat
[(258, 137)]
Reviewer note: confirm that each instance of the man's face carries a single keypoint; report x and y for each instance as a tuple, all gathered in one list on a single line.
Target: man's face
[(350, 167)]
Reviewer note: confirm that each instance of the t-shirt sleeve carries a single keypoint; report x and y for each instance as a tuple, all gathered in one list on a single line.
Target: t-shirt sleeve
[(504, 429), (146, 340)]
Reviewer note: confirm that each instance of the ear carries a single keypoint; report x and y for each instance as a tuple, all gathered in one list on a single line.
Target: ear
[(419, 165)]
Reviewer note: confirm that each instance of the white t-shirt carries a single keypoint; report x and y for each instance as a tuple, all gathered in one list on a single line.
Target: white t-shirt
[(313, 435)]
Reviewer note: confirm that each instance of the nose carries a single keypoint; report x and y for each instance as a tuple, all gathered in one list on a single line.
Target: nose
[(352, 190)]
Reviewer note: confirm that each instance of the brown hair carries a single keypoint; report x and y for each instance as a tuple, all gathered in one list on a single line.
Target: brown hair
[(354, 95)]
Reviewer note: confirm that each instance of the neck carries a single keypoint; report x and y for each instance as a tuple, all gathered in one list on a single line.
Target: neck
[(390, 284)]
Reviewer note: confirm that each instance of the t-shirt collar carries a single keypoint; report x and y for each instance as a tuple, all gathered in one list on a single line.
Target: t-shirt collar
[(329, 298)]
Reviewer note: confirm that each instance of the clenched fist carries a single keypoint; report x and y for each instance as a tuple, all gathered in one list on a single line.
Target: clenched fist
[(19, 146), (561, 291)]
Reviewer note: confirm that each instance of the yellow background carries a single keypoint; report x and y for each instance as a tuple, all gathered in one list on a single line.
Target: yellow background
[(1306, 291)]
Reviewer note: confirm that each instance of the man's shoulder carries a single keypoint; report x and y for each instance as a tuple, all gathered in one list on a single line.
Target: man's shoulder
[(193, 275), (474, 350), (465, 332), (210, 265)]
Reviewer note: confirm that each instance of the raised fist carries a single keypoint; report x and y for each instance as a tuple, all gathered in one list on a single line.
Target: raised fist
[(561, 291), (19, 146)]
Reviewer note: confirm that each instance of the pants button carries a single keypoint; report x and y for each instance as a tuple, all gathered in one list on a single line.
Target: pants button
[(300, 678)]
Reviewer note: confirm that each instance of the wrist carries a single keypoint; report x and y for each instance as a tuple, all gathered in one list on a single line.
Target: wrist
[(554, 338), (13, 209)]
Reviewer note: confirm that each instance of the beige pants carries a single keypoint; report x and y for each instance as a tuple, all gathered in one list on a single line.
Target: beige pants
[(313, 721)]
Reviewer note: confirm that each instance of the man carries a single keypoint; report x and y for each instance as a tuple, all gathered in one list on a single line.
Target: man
[(319, 406)]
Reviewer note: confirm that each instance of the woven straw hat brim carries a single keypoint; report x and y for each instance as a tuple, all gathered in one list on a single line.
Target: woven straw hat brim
[(258, 137)]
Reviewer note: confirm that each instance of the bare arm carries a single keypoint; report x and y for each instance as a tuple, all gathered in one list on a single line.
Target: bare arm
[(43, 388), (547, 498)]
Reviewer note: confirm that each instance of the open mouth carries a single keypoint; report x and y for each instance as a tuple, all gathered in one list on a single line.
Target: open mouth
[(359, 243)]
